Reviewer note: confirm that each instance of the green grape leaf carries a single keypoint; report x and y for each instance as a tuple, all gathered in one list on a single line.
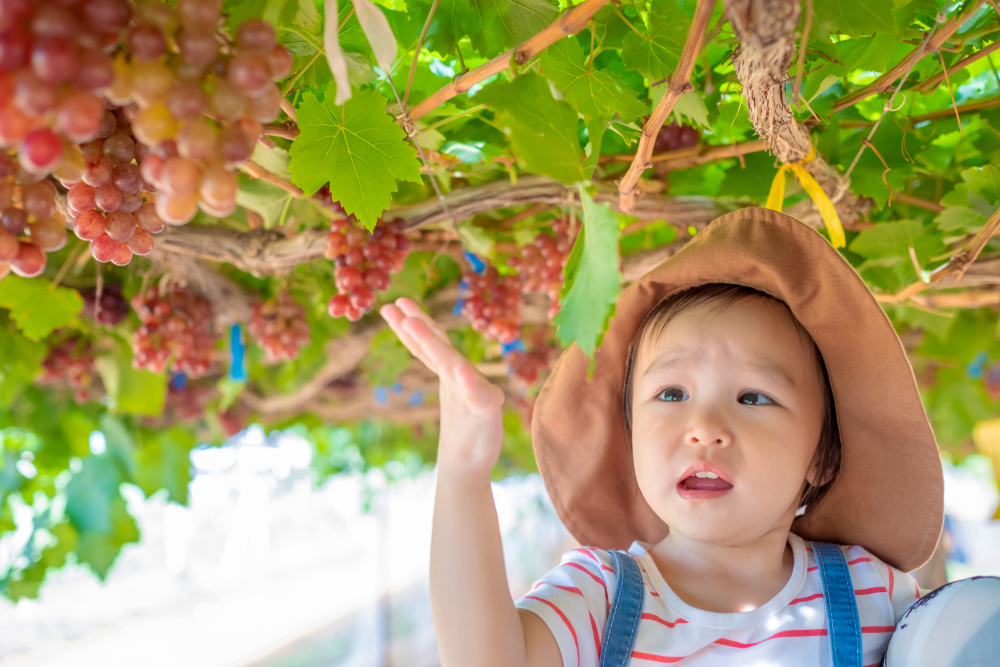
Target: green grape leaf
[(856, 17), (543, 129), (886, 238), (20, 361), (593, 279), (657, 54), (36, 307), (134, 391), (357, 148), (270, 201), (164, 462), (960, 219), (90, 492), (984, 181), (596, 93), (497, 25)]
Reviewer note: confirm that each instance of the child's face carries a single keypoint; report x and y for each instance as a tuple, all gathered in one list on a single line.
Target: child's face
[(702, 394)]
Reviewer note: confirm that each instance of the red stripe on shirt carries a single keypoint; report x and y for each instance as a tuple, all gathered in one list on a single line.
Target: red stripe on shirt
[(597, 635), (651, 592), (890, 581), (869, 591), (656, 658), (874, 629), (864, 559), (811, 597), (565, 620), (592, 576), (653, 617), (784, 633), (916, 588), (587, 553), (571, 589)]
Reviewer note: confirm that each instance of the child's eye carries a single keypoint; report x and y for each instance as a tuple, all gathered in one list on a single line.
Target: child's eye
[(670, 395), (758, 399)]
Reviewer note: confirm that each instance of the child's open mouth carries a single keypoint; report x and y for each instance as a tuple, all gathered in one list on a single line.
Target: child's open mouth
[(694, 487)]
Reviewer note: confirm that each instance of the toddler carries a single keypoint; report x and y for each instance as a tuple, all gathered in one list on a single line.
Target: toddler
[(749, 468)]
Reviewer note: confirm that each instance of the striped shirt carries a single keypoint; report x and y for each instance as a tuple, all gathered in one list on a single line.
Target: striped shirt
[(573, 600)]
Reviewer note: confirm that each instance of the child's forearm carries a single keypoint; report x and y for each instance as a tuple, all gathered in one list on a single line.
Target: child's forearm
[(475, 619)]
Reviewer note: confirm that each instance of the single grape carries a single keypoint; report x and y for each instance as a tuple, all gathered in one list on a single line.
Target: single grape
[(108, 198), (175, 210), (196, 140), (131, 202), (280, 62), (49, 234), (106, 15), (69, 172), (120, 225), (198, 47), (147, 218), (226, 102), (127, 177), (8, 246), (255, 35), (54, 59), (234, 145), (218, 211), (250, 73), (156, 13), (151, 168), (79, 117), (141, 243), (119, 148), (33, 95), (89, 225), (108, 125), (14, 125), (96, 71), (97, 171), (13, 12), (104, 248), (29, 262), (218, 186), (154, 124), (338, 306), (151, 81), (81, 197), (123, 256), (179, 177), (52, 21), (14, 220), (39, 200), (147, 42), (267, 106), (199, 13)]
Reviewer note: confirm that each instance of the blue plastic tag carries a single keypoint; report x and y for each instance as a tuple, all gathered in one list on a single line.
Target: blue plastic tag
[(478, 265), (381, 395), (516, 345), (237, 355)]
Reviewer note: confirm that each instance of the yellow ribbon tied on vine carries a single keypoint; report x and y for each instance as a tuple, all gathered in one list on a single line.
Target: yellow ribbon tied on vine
[(776, 197)]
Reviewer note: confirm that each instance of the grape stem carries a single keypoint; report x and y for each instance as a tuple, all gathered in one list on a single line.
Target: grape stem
[(256, 171), (679, 83)]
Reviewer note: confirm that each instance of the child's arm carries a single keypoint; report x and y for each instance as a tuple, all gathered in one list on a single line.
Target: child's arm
[(475, 620)]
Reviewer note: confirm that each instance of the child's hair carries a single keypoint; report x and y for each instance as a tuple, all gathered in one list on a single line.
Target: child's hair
[(828, 452)]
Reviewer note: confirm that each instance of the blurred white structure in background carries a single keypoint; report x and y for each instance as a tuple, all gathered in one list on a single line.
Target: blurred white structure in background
[(264, 570)]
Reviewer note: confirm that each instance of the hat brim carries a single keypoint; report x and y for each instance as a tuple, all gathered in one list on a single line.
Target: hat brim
[(889, 496)]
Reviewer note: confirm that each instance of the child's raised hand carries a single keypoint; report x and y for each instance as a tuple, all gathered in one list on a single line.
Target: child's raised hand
[(471, 420)]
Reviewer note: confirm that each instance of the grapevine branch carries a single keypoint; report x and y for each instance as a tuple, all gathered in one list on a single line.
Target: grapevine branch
[(932, 82), (692, 157), (678, 84), (884, 82), (569, 23), (268, 251)]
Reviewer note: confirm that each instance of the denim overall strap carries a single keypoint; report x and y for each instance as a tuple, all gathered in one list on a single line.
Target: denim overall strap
[(841, 608), (625, 612)]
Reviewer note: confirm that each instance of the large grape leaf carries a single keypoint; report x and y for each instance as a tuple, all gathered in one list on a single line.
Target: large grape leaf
[(38, 309), (593, 279), (495, 25), (163, 461), (134, 391), (543, 129), (656, 54), (596, 93), (856, 17), (357, 148)]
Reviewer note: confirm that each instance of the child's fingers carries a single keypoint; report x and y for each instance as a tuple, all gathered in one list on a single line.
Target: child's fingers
[(440, 353), (411, 309)]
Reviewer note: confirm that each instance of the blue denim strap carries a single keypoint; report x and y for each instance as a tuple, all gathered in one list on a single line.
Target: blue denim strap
[(841, 607), (625, 612)]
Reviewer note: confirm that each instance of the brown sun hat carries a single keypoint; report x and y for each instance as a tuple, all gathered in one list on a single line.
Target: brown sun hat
[(889, 496)]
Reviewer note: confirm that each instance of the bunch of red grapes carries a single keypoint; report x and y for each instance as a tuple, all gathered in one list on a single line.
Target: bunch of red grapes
[(176, 331), (526, 367), (71, 362), (493, 303), (106, 202), (187, 403), (114, 308), (280, 327), (30, 226), (364, 262), (199, 110), (540, 263), (54, 65), (673, 137)]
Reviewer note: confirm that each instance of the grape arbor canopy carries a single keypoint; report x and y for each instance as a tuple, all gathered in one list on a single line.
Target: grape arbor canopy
[(202, 203)]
